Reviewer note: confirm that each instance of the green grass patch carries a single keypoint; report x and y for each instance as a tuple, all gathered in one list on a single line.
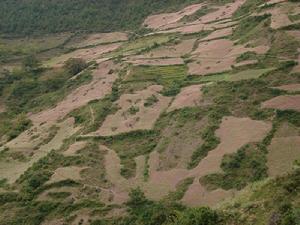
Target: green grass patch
[(170, 77)]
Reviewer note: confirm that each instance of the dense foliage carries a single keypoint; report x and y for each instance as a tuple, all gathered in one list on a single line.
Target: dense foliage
[(17, 16)]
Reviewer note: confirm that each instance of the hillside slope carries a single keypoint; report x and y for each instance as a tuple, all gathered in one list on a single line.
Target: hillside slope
[(193, 120)]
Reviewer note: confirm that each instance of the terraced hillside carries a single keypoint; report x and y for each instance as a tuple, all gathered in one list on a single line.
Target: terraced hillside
[(195, 119)]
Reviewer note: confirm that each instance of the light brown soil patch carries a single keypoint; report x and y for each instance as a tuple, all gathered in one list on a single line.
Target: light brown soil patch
[(156, 62), (75, 193), (74, 148), (218, 34), (246, 63), (142, 119), (295, 34), (282, 153), (223, 12), (160, 20), (284, 102), (66, 173), (97, 89), (233, 132), (289, 87), (88, 54), (296, 69), (177, 144), (11, 170), (218, 56), (177, 50), (188, 97), (101, 38)]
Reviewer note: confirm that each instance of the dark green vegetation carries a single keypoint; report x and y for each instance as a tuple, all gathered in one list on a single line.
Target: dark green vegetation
[(29, 17)]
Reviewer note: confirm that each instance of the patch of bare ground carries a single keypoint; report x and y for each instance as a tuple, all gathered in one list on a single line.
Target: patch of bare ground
[(233, 132), (74, 148), (294, 33), (88, 54), (174, 50), (66, 173), (155, 61), (218, 34), (283, 102), (100, 38), (218, 56), (133, 114), (99, 87), (12, 169), (246, 63), (289, 87), (223, 12), (283, 150), (160, 20), (178, 143), (279, 14), (188, 97)]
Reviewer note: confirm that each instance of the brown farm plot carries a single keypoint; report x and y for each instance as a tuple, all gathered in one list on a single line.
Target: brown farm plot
[(133, 114), (283, 102)]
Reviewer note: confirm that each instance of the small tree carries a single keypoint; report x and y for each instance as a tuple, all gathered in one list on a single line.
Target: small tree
[(75, 65)]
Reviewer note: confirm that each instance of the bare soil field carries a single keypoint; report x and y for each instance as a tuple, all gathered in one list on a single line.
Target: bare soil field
[(160, 20), (289, 87), (176, 50), (133, 114), (188, 97), (12, 169), (88, 54), (97, 39), (74, 148), (296, 69), (283, 102), (218, 56), (221, 33), (233, 132), (96, 89), (283, 151), (66, 173), (223, 12)]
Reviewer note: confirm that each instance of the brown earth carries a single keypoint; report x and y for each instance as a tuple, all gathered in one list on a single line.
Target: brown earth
[(96, 89), (74, 148), (218, 56), (13, 169), (141, 118), (87, 54), (100, 38), (289, 87), (66, 173), (160, 20), (188, 97), (283, 102), (233, 132)]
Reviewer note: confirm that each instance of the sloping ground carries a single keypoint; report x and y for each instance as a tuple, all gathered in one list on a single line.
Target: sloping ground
[(283, 102), (101, 85), (156, 62), (97, 39), (284, 150), (289, 87), (218, 56), (161, 20), (233, 132), (88, 54), (133, 113), (12, 170), (188, 97)]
